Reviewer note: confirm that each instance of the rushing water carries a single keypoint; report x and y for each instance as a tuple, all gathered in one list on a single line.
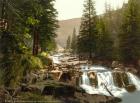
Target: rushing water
[(134, 80), (105, 78), (85, 79)]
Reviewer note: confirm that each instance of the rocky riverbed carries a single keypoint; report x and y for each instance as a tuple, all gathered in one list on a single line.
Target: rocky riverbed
[(60, 83), (52, 91)]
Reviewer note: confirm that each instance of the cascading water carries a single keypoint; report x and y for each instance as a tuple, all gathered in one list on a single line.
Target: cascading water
[(133, 97), (85, 79), (106, 83), (134, 80), (105, 78)]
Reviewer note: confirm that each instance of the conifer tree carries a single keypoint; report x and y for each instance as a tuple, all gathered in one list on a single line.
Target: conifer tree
[(35, 19), (130, 33), (88, 30), (48, 20), (68, 45), (42, 21), (104, 42), (73, 41)]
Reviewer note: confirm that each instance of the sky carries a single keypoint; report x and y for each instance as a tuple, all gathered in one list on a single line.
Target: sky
[(68, 9)]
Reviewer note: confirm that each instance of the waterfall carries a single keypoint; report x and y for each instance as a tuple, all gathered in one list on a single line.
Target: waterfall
[(105, 78), (105, 82), (134, 80), (85, 79)]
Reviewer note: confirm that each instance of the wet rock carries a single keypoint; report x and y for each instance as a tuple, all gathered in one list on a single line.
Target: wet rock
[(115, 64), (65, 77), (117, 100), (95, 98), (58, 89), (33, 89), (132, 70), (120, 78), (64, 91), (130, 88), (48, 90)]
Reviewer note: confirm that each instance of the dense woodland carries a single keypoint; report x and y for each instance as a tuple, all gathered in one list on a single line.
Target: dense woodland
[(28, 31), (113, 35)]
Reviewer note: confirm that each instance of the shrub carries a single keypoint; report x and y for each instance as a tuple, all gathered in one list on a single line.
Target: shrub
[(45, 60), (14, 68)]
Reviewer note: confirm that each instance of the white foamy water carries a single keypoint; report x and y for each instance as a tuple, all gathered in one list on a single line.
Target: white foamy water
[(56, 58), (85, 79), (134, 80), (105, 78)]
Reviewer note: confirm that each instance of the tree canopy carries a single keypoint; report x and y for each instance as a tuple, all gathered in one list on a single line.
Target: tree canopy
[(88, 30), (130, 33), (31, 25)]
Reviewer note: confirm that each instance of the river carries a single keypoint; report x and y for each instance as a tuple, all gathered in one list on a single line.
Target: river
[(105, 77)]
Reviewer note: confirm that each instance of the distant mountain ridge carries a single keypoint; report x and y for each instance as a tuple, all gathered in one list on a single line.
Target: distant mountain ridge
[(67, 26), (66, 29)]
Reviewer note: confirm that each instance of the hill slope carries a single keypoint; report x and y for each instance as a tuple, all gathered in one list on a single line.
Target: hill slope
[(66, 29)]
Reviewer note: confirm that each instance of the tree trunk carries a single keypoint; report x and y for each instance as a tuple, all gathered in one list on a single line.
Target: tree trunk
[(4, 15), (3, 12), (35, 41)]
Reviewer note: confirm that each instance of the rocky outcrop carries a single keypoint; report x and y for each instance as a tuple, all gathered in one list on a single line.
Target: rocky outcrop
[(32, 89), (58, 89)]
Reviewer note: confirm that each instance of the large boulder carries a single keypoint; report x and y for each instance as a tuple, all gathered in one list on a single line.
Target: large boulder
[(132, 69), (58, 89), (115, 64), (131, 88), (65, 77), (32, 89)]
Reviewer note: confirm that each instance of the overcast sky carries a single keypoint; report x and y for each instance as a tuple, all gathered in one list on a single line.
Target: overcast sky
[(68, 9)]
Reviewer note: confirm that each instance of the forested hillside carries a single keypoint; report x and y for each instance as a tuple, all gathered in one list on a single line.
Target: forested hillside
[(66, 26)]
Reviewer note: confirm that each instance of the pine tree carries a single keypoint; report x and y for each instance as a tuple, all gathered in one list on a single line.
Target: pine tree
[(108, 17), (40, 16), (68, 45), (35, 19), (48, 20), (113, 20), (130, 33), (73, 41), (88, 30), (104, 42)]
